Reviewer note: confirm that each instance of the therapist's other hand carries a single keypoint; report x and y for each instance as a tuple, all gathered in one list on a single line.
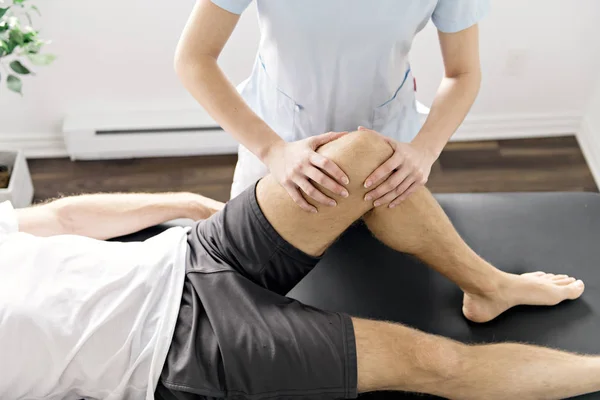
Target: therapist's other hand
[(297, 166), (406, 170)]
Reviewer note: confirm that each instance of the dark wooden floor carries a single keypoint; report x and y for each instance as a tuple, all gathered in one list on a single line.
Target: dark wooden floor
[(553, 164)]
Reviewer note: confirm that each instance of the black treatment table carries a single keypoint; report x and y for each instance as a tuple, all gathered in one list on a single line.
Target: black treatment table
[(520, 232)]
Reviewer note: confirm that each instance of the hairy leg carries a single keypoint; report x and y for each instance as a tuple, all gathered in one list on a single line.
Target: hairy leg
[(394, 357), (420, 227), (357, 154)]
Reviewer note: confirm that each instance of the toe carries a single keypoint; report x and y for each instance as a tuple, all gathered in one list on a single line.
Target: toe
[(574, 290), (559, 277), (563, 281), (537, 273)]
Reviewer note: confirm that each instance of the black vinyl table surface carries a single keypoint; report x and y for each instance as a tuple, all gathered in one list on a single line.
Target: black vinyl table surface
[(517, 232)]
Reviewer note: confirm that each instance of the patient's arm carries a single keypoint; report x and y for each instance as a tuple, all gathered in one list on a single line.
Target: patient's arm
[(104, 216)]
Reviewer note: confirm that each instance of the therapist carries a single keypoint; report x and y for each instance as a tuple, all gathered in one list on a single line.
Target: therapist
[(332, 66)]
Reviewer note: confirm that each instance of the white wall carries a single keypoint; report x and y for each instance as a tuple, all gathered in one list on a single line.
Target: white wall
[(589, 133), (592, 115), (538, 58), (112, 55)]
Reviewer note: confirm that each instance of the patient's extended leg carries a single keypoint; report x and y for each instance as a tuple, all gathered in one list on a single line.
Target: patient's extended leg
[(395, 357), (420, 227)]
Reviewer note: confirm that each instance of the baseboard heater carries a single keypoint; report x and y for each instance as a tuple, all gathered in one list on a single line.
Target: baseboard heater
[(135, 134)]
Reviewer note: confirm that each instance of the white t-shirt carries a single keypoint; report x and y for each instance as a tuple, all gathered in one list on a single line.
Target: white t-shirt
[(85, 319)]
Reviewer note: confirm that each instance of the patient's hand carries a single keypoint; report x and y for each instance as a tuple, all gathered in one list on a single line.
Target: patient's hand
[(406, 170), (203, 207)]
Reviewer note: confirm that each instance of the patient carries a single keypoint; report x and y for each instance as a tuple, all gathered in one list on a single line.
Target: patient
[(201, 313)]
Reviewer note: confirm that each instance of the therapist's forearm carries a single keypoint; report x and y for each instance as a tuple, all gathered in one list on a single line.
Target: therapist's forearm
[(204, 79), (452, 102)]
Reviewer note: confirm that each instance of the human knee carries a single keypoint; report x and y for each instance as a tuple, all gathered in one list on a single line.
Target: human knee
[(358, 154), (439, 359)]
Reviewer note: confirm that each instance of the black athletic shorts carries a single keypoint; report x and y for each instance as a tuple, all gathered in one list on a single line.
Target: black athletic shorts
[(237, 335)]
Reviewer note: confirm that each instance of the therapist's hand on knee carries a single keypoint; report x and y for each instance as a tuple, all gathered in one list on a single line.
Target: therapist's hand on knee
[(403, 173), (297, 165)]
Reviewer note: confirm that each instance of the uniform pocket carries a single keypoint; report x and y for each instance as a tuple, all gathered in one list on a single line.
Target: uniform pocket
[(265, 98), (397, 117)]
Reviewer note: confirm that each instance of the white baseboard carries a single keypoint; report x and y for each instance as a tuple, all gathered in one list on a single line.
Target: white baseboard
[(35, 145), (589, 141), (492, 127), (518, 126), (104, 147)]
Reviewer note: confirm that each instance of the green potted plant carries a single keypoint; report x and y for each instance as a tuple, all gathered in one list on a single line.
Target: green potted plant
[(20, 48), (20, 44)]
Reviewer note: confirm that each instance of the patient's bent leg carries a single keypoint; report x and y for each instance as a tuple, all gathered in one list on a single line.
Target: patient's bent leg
[(420, 227)]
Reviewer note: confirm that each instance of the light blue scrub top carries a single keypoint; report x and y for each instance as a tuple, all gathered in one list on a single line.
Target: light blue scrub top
[(332, 65)]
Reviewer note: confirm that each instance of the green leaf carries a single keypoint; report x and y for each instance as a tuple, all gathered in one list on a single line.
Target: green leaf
[(41, 59), (14, 83), (6, 47), (33, 47), (19, 68), (37, 10), (29, 36), (16, 36), (18, 2), (10, 47), (3, 11)]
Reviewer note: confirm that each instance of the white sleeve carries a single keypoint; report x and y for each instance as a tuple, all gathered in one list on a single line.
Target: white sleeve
[(457, 15), (8, 218), (233, 6)]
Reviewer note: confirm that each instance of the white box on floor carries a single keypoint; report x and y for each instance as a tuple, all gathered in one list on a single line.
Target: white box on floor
[(20, 187)]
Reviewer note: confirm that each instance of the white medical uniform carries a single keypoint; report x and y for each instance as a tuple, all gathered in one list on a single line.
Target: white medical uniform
[(332, 65)]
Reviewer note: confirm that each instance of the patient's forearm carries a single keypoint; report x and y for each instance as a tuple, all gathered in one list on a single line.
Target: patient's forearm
[(103, 216)]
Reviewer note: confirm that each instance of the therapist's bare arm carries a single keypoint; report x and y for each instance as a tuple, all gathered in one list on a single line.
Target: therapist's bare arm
[(457, 92), (204, 36), (104, 216), (409, 167), (206, 33)]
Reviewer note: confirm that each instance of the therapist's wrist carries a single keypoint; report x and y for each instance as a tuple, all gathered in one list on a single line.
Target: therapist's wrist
[(431, 149), (270, 149)]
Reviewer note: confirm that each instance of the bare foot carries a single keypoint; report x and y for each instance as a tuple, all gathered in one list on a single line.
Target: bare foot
[(534, 289)]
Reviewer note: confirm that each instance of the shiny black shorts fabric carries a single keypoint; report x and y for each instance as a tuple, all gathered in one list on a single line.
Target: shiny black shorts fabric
[(237, 335)]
